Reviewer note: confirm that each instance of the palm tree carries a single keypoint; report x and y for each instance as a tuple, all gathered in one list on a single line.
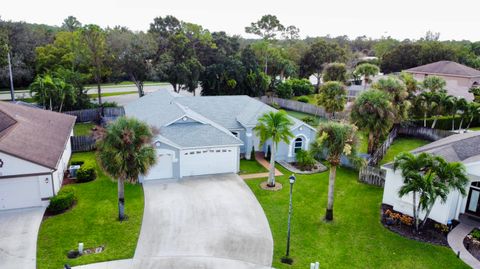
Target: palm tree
[(274, 126), (462, 106), (410, 166), (424, 102), (431, 178), (441, 105), (473, 110), (367, 70), (434, 84), (332, 96), (373, 112), (447, 177), (335, 139), (125, 152), (398, 93)]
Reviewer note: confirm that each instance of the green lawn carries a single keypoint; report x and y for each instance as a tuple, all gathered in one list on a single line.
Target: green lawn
[(251, 167), (83, 128), (107, 94), (356, 238), (311, 98), (301, 115), (92, 221), (402, 144)]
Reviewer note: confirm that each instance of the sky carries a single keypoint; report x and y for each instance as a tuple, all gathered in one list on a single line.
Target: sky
[(411, 19)]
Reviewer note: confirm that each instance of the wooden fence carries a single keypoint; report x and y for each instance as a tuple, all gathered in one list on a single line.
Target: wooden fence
[(372, 175), (424, 133), (377, 156), (95, 114), (82, 143), (300, 106)]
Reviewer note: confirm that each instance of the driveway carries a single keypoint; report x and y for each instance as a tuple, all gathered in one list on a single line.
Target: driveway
[(203, 222), (18, 237)]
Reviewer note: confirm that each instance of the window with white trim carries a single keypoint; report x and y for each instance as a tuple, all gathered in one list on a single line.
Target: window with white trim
[(298, 144)]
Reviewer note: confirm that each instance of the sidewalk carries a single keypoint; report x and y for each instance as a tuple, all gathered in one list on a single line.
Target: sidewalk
[(260, 157), (455, 240)]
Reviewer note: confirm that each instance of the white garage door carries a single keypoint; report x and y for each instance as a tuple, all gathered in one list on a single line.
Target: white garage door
[(19, 193), (208, 161), (163, 168)]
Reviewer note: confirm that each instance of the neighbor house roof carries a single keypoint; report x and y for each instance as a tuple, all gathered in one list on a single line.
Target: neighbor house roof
[(223, 113), (32, 134), (448, 68)]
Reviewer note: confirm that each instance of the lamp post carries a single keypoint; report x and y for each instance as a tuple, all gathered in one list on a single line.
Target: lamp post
[(292, 181)]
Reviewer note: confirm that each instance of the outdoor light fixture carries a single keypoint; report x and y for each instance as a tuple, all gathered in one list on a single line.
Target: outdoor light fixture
[(287, 259), (46, 180)]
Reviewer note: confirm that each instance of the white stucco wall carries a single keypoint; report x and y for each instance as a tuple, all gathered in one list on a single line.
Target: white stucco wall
[(15, 166)]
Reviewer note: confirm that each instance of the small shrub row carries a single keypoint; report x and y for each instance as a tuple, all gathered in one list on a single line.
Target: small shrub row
[(303, 99), (309, 120), (64, 199), (77, 162), (305, 160)]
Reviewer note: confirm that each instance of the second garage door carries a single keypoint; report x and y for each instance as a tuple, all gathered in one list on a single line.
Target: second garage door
[(208, 161)]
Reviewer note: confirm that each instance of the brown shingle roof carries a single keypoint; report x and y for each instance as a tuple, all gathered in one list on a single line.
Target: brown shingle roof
[(446, 68), (32, 134)]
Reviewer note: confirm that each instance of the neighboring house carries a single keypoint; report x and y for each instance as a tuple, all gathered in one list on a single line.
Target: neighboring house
[(208, 134), (463, 148), (459, 78), (34, 153)]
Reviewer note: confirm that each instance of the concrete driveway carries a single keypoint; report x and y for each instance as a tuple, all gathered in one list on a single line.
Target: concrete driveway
[(203, 222), (18, 237)]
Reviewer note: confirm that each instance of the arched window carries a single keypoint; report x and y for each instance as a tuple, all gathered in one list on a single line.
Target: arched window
[(298, 144)]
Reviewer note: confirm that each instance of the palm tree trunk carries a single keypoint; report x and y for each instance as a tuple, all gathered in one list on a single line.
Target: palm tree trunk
[(365, 84), (271, 175), (470, 122), (461, 123), (426, 216), (453, 122), (370, 143), (425, 119), (99, 89), (121, 199), (331, 188), (434, 122), (415, 217)]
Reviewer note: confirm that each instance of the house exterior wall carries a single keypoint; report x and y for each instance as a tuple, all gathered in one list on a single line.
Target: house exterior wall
[(456, 86), (441, 212), (285, 152)]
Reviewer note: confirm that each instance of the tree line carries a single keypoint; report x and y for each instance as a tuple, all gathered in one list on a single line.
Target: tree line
[(187, 55)]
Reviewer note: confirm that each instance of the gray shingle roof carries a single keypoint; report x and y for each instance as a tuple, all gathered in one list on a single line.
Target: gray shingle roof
[(32, 134), (446, 68), (197, 134)]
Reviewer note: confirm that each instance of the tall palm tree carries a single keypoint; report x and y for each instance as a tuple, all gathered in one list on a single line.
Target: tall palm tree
[(413, 180), (462, 106), (125, 152), (334, 140), (398, 93), (441, 105), (424, 102), (273, 126), (372, 111), (473, 110), (434, 84), (367, 70), (332, 96)]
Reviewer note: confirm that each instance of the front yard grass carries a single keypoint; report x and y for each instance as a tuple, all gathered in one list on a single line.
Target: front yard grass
[(251, 167), (402, 144), (93, 221), (301, 116), (355, 239), (83, 129)]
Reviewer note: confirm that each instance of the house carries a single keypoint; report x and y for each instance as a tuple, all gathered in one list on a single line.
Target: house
[(208, 134), (459, 78), (34, 153), (463, 148)]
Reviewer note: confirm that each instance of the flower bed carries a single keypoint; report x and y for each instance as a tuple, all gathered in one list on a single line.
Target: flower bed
[(402, 224), (472, 243)]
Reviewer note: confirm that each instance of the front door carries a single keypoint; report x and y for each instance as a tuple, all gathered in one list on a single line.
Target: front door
[(473, 205)]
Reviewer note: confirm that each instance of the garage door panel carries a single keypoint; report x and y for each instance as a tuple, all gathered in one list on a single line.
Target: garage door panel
[(19, 193), (163, 169), (209, 161)]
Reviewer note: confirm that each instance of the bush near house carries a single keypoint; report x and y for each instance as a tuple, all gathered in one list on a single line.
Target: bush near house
[(86, 173), (303, 99), (62, 201), (294, 87), (305, 160)]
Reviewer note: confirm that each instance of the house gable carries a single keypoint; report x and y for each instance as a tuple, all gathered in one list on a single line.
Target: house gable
[(11, 166)]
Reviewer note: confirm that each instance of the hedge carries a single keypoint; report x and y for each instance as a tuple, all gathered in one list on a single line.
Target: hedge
[(86, 173), (64, 199), (445, 123)]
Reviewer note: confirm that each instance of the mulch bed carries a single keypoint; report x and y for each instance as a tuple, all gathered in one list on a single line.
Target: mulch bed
[(278, 186), (472, 245), (429, 233)]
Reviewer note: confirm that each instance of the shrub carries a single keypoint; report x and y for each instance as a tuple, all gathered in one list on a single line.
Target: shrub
[(301, 87), (305, 160), (64, 199), (309, 120), (303, 99), (284, 90), (275, 105), (109, 104), (476, 234), (86, 173), (444, 229), (77, 162), (335, 72)]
